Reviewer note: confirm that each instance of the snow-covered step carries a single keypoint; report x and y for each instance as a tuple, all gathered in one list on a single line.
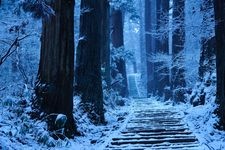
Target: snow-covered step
[(157, 134), (153, 141), (167, 146), (180, 146), (153, 137)]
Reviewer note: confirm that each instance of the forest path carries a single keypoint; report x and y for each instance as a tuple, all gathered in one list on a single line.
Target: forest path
[(153, 125)]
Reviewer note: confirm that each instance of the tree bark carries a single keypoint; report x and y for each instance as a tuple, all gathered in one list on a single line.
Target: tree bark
[(105, 46), (118, 42), (162, 45), (219, 8), (143, 65), (178, 40), (88, 62), (54, 86), (149, 47)]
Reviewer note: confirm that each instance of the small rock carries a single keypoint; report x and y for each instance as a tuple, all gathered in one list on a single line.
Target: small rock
[(60, 120)]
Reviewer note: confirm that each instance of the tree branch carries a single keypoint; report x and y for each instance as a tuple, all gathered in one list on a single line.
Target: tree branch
[(10, 51)]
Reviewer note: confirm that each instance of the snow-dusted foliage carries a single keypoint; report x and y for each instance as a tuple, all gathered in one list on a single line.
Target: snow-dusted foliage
[(21, 34), (121, 53), (127, 5), (199, 40), (38, 8), (199, 25)]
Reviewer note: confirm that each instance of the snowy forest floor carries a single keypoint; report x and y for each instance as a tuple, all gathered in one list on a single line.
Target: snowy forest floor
[(23, 133)]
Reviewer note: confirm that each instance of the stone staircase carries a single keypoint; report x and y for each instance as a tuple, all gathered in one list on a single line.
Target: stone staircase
[(154, 126)]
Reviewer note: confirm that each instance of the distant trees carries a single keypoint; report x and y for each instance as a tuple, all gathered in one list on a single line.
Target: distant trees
[(157, 43), (93, 34), (118, 43), (54, 85), (159, 80), (219, 9)]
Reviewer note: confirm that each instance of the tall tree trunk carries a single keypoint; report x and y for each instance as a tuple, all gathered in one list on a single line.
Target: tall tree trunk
[(142, 65), (149, 46), (165, 48), (164, 15), (54, 86), (219, 8), (162, 45), (105, 46), (118, 42), (178, 40), (88, 62)]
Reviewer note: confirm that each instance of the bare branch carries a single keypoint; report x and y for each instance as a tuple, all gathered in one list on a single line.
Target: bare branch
[(12, 49)]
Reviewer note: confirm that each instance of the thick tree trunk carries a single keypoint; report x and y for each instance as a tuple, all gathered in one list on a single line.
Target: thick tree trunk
[(54, 86), (118, 42), (178, 40), (219, 8), (149, 47), (105, 50), (88, 62)]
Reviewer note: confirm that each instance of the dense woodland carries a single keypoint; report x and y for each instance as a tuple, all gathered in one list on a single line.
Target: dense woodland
[(67, 68)]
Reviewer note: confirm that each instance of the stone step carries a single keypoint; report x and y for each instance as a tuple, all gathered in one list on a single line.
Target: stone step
[(157, 134), (155, 111), (153, 137), (150, 124), (155, 114), (162, 122), (143, 130), (155, 141), (181, 146)]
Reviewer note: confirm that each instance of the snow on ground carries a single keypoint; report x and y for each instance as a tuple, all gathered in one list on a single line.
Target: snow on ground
[(18, 132), (97, 137), (201, 121)]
